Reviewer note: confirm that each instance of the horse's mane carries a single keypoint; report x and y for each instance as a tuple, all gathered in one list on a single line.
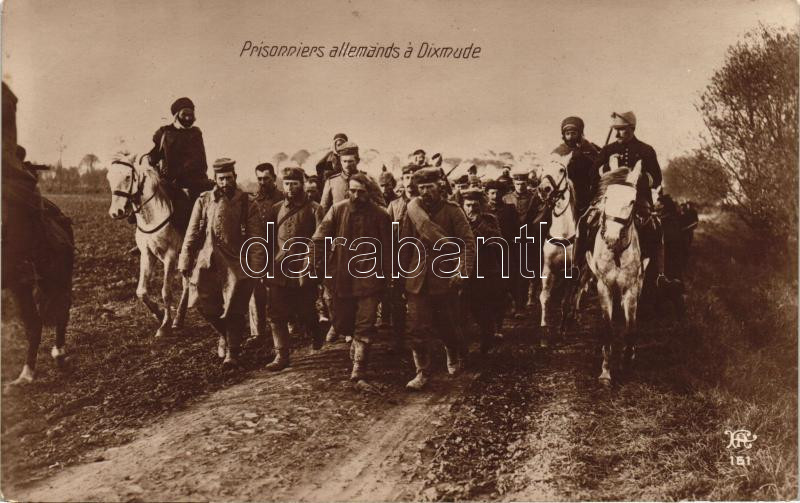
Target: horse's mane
[(613, 177)]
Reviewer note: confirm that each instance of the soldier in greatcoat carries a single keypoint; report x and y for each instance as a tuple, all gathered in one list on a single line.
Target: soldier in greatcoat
[(355, 285), (210, 258), (432, 285), (527, 203), (261, 204), (337, 189), (292, 289)]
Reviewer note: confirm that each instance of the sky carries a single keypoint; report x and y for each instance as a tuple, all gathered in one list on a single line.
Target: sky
[(96, 73)]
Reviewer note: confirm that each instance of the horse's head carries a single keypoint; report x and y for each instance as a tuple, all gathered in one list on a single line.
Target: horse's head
[(124, 180), (555, 187), (619, 202)]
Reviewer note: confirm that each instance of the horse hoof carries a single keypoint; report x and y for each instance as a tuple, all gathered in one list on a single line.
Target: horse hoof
[(222, 348), (60, 356), (25, 377), (605, 381)]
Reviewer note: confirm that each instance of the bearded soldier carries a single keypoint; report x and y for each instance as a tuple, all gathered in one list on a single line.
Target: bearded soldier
[(291, 289), (355, 285), (387, 184), (261, 204), (336, 190), (432, 285), (628, 150), (220, 289), (178, 153)]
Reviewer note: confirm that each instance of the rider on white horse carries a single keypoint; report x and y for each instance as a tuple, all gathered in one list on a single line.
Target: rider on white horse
[(627, 150)]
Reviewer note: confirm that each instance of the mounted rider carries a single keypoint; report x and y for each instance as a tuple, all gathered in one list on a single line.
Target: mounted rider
[(581, 163), (629, 150), (178, 153)]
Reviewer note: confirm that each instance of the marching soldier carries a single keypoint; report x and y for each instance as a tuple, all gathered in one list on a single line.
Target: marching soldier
[(336, 190), (483, 295), (397, 212), (355, 286), (336, 187), (329, 165), (629, 150), (506, 216), (432, 294), (419, 159), (261, 204), (527, 203), (387, 184), (313, 189), (220, 289), (178, 153), (291, 290)]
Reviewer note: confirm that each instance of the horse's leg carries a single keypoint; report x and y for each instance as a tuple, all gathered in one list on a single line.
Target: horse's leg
[(145, 272), (548, 282), (607, 334), (32, 322), (629, 305), (170, 263)]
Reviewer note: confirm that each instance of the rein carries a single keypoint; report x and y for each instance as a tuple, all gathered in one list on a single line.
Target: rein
[(558, 193), (134, 198)]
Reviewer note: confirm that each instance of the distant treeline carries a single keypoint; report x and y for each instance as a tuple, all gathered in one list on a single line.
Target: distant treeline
[(61, 180)]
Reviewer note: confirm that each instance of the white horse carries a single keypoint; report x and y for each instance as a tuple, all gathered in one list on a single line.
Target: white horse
[(557, 248), (137, 190), (616, 259)]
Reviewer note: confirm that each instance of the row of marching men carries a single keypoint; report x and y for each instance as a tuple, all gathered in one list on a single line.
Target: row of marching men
[(317, 249)]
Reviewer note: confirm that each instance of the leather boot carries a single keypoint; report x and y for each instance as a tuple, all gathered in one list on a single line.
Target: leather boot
[(360, 355), (280, 335), (421, 362), (453, 360)]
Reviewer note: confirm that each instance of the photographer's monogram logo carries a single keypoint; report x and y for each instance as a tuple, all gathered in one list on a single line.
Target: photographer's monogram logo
[(740, 439)]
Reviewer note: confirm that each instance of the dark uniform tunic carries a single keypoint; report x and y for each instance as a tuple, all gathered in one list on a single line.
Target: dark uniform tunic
[(630, 153), (582, 171), (261, 204), (179, 155)]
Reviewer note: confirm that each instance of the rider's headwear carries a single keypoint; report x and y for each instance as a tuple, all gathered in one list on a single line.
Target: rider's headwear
[(572, 122), (180, 104), (623, 120)]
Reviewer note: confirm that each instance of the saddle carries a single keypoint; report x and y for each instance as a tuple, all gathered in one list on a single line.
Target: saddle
[(182, 204)]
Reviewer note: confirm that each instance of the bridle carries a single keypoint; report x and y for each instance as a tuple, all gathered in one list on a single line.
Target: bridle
[(557, 192), (133, 197)]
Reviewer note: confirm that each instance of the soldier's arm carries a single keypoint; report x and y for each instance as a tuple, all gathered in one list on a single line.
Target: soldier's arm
[(464, 232), (324, 230), (326, 201), (193, 240), (651, 167), (601, 160), (155, 155), (256, 227), (204, 163)]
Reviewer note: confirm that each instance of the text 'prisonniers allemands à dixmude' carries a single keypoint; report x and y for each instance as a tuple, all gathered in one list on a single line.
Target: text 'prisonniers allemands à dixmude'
[(348, 50)]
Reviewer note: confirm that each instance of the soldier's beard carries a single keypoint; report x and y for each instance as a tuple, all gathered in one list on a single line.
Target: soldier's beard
[(186, 123), (572, 142)]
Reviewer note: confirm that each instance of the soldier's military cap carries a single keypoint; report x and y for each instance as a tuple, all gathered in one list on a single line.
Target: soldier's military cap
[(348, 148), (572, 122), (410, 168), (180, 104), (623, 120), (293, 172), (461, 180), (426, 175), (223, 165), (312, 179), (472, 195), (419, 151), (475, 180), (386, 178), (519, 177)]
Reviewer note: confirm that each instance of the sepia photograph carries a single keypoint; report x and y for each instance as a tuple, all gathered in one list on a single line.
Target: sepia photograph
[(389, 251)]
